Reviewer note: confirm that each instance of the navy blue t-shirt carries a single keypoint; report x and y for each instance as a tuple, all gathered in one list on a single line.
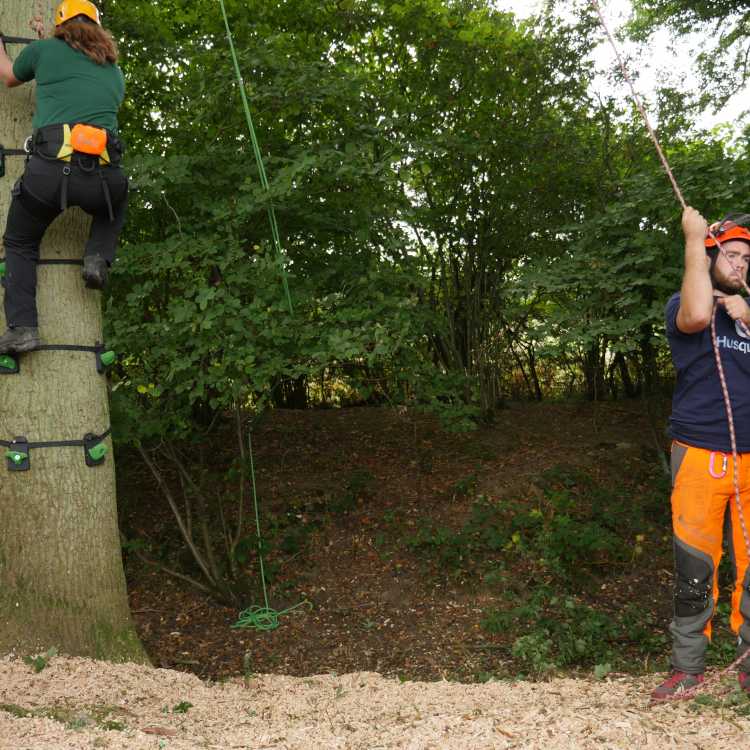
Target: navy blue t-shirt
[(698, 413)]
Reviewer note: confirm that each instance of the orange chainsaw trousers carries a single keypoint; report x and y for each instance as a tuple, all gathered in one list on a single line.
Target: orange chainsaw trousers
[(704, 513)]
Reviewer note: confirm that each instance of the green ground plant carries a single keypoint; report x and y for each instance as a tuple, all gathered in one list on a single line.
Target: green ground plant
[(41, 661), (576, 528), (566, 540), (559, 632)]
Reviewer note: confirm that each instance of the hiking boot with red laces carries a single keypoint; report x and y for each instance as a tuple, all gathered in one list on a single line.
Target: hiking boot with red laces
[(677, 687), (744, 680)]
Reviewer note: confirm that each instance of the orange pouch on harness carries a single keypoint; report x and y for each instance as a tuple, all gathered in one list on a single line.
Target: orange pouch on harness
[(87, 139)]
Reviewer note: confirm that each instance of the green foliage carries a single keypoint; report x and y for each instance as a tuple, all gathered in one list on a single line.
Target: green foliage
[(562, 632), (358, 485), (182, 707), (572, 533), (452, 225), (41, 661), (576, 528), (605, 295), (735, 701), (723, 57), (464, 487), (550, 630), (396, 254)]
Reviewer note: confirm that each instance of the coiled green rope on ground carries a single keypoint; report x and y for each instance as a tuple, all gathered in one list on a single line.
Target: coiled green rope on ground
[(256, 617)]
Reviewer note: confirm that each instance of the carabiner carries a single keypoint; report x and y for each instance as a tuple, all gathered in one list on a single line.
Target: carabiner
[(724, 462)]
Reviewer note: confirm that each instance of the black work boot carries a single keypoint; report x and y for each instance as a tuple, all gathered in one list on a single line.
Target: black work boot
[(95, 270), (20, 339)]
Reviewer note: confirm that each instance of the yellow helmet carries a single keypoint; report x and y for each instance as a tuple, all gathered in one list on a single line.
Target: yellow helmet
[(71, 8)]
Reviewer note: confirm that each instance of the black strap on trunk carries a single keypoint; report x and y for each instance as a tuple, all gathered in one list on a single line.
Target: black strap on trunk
[(9, 152), (18, 453), (16, 39), (56, 261), (10, 364)]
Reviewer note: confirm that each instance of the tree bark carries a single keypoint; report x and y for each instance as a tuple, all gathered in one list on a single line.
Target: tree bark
[(61, 576)]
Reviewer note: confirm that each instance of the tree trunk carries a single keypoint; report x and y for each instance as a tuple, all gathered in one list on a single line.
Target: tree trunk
[(648, 359), (593, 371), (531, 356), (61, 576), (631, 391)]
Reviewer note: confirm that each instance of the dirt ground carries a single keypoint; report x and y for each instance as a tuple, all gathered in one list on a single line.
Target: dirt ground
[(349, 488), (77, 704)]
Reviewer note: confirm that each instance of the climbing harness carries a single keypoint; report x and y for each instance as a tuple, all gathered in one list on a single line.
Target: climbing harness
[(691, 692), (89, 147), (18, 453), (63, 141)]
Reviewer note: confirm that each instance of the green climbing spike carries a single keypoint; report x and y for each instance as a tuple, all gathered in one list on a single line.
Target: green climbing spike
[(108, 358), (2, 269), (7, 363), (16, 457), (98, 452)]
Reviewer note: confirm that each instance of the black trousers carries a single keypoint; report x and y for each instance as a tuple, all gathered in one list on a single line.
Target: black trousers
[(36, 203)]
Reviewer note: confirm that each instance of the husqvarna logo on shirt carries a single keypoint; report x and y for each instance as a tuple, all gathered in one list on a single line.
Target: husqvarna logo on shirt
[(740, 329), (726, 343)]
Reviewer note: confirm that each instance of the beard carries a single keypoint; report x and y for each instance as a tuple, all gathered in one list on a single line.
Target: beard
[(725, 284)]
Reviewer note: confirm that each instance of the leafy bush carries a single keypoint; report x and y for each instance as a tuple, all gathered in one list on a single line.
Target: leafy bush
[(575, 528), (562, 632)]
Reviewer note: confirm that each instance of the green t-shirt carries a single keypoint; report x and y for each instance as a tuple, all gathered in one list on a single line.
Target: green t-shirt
[(71, 87)]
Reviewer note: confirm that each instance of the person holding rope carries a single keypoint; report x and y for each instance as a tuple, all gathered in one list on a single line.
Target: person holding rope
[(703, 495), (75, 156)]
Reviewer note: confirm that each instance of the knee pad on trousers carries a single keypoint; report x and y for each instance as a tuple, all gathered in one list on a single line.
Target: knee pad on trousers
[(693, 584)]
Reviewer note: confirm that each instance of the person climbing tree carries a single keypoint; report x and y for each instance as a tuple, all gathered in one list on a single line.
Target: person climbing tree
[(703, 494), (75, 154)]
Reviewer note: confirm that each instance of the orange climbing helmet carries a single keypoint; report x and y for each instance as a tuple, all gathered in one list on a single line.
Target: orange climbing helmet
[(730, 228), (71, 8)]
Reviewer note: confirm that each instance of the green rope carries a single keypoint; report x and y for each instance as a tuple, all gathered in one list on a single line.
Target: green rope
[(259, 160), (260, 618)]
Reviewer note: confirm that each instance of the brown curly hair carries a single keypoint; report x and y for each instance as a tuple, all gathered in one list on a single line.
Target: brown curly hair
[(89, 38)]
